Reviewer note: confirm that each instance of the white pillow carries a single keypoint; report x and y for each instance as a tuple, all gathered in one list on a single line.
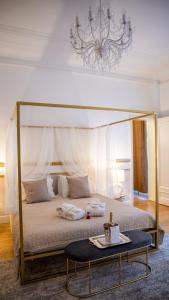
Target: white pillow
[(92, 186), (50, 186), (63, 186)]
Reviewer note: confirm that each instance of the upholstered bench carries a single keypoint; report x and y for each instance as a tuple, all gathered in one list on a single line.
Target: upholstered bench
[(84, 251)]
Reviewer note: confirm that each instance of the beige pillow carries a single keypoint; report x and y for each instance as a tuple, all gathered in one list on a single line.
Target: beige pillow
[(36, 191), (79, 187)]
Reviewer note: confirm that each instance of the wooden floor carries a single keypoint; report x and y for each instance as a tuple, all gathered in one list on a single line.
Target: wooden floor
[(6, 244), (150, 206)]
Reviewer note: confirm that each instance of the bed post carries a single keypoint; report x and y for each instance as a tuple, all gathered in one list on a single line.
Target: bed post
[(156, 181), (22, 265)]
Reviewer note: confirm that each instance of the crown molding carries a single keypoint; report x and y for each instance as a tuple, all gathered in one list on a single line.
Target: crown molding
[(23, 31), (120, 76), (21, 40), (22, 36), (33, 64)]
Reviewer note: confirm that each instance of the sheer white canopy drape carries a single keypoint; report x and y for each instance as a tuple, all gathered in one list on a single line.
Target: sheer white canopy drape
[(37, 151), (72, 148), (81, 151), (11, 190)]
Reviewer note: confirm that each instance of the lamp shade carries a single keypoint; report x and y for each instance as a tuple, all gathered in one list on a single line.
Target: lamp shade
[(2, 169), (118, 176)]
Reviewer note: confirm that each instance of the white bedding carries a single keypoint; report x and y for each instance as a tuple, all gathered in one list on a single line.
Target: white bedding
[(44, 230)]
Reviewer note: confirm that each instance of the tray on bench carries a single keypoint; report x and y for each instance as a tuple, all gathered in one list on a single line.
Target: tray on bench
[(96, 240)]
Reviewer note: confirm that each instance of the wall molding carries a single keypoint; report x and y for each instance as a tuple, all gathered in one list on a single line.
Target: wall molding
[(76, 70), (164, 195), (164, 189), (7, 29), (24, 36)]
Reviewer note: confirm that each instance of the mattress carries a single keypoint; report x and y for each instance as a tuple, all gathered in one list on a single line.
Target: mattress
[(45, 231)]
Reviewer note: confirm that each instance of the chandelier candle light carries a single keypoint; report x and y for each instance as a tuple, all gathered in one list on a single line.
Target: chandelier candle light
[(102, 44)]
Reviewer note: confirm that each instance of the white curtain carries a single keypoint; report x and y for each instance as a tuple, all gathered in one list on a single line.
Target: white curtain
[(42, 146), (98, 149), (72, 147), (37, 151), (110, 143), (82, 151), (103, 150), (11, 191)]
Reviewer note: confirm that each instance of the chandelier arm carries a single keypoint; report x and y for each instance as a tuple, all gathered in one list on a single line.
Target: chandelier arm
[(122, 35), (108, 31), (81, 51), (113, 46), (78, 34), (83, 41), (119, 39), (91, 30), (80, 40), (125, 44), (76, 48), (116, 42), (88, 50), (89, 46)]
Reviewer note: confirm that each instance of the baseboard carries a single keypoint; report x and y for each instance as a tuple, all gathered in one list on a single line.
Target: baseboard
[(4, 219)]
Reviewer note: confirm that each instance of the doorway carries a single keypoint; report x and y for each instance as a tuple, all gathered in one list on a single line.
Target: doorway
[(140, 161)]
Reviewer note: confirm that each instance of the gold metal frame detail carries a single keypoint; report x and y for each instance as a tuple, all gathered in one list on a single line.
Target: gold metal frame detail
[(120, 257), (25, 257)]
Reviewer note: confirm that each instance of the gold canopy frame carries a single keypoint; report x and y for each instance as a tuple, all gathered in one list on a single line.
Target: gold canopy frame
[(25, 257)]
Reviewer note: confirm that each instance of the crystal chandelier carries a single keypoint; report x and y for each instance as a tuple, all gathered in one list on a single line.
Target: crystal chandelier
[(103, 42)]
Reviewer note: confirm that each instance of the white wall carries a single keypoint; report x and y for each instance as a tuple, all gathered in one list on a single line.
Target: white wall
[(63, 86), (164, 98), (163, 129)]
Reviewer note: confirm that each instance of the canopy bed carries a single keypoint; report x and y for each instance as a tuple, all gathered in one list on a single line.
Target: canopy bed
[(78, 140)]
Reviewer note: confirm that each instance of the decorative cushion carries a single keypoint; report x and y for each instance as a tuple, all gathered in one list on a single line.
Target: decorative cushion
[(79, 187), (36, 191), (63, 187)]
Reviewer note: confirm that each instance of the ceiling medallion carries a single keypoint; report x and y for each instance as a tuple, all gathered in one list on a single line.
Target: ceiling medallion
[(102, 43)]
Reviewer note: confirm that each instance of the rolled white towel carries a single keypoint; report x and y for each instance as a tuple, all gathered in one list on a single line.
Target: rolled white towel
[(70, 212), (96, 208)]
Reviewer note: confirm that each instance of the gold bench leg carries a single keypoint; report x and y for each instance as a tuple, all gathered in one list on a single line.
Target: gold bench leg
[(112, 287), (147, 270), (120, 269), (67, 270), (90, 284)]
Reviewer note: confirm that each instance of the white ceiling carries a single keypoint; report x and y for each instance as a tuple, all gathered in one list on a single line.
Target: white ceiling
[(36, 32)]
